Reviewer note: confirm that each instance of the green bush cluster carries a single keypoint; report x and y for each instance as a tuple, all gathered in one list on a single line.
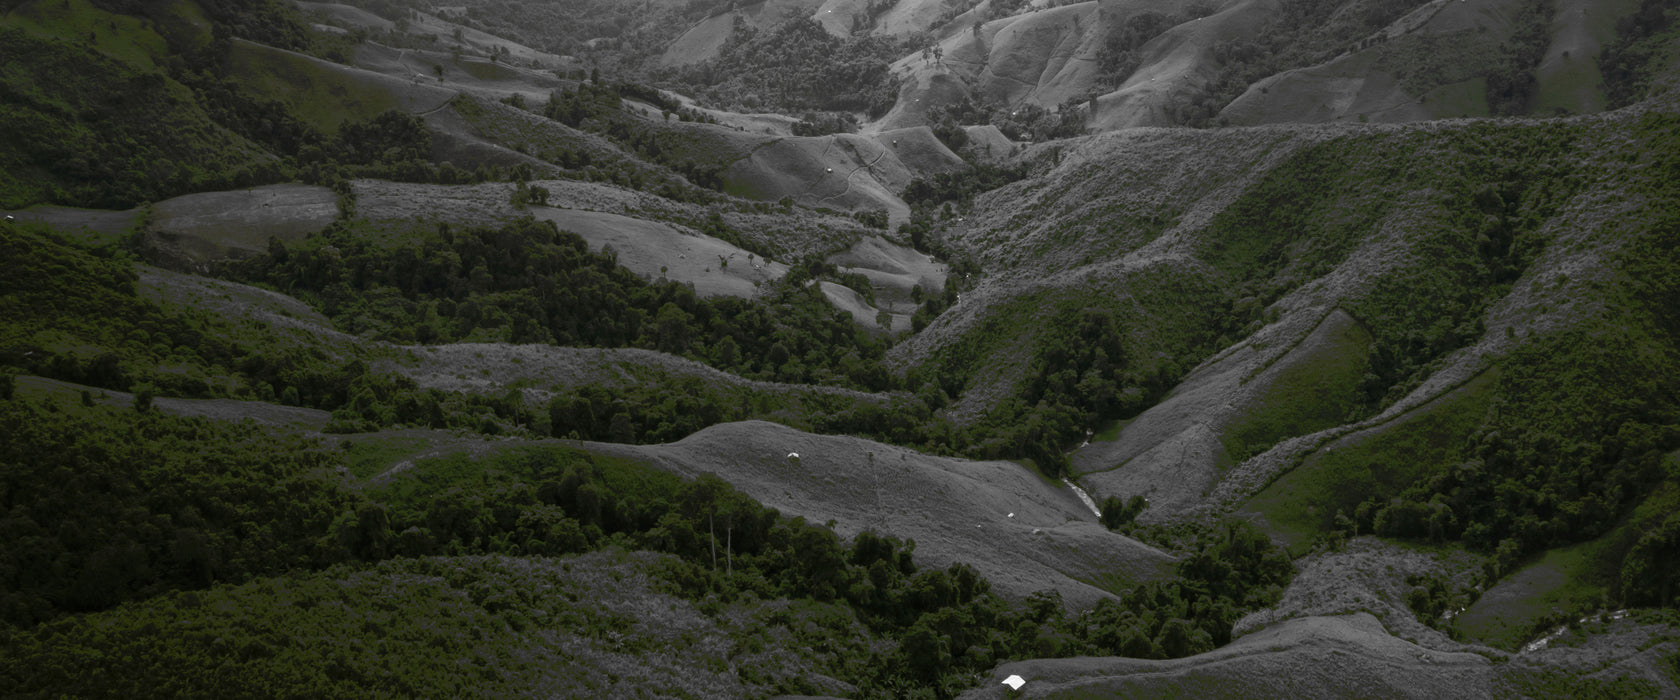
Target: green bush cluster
[(108, 505), (85, 129), (1575, 441), (961, 187), (527, 281), (79, 316), (171, 521), (1639, 54), (585, 155), (1078, 379)]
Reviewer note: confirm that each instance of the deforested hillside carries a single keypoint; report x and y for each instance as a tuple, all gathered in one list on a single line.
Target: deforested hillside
[(1055, 69), (1338, 331), (1452, 231), (839, 348)]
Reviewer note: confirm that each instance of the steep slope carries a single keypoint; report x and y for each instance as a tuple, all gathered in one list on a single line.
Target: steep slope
[(703, 41), (1022, 532), (911, 16), (1131, 63), (97, 123), (840, 17), (1567, 81), (1043, 57), (1185, 254), (894, 271), (1175, 452), (196, 229), (655, 250), (327, 94)]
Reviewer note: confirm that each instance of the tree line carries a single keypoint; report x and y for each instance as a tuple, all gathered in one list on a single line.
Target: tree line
[(106, 505)]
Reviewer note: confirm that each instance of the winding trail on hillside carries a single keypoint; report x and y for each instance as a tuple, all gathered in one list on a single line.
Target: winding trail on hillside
[(870, 166), (446, 103), (418, 77)]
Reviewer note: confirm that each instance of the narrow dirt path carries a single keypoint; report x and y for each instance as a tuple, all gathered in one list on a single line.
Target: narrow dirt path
[(870, 166)]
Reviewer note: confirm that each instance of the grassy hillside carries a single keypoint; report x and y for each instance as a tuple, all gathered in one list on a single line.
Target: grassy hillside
[(1376, 464), (324, 94), (88, 129)]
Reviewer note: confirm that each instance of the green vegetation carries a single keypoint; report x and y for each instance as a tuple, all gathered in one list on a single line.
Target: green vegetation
[(612, 624), (156, 108), (108, 505), (1641, 53), (1566, 584), (1510, 82), (1312, 32), (576, 154), (163, 106), (699, 156), (567, 27), (172, 521), (1117, 513), (1229, 571), (1425, 62), (1374, 466), (1555, 462), (80, 316), (1526, 604), (530, 282), (1501, 184), (1314, 391), (145, 553), (1021, 122), (961, 187), (85, 129)]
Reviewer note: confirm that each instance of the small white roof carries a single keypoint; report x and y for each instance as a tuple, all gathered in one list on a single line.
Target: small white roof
[(1015, 682)]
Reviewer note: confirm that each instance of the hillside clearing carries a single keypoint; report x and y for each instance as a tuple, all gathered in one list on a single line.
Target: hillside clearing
[(955, 510)]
